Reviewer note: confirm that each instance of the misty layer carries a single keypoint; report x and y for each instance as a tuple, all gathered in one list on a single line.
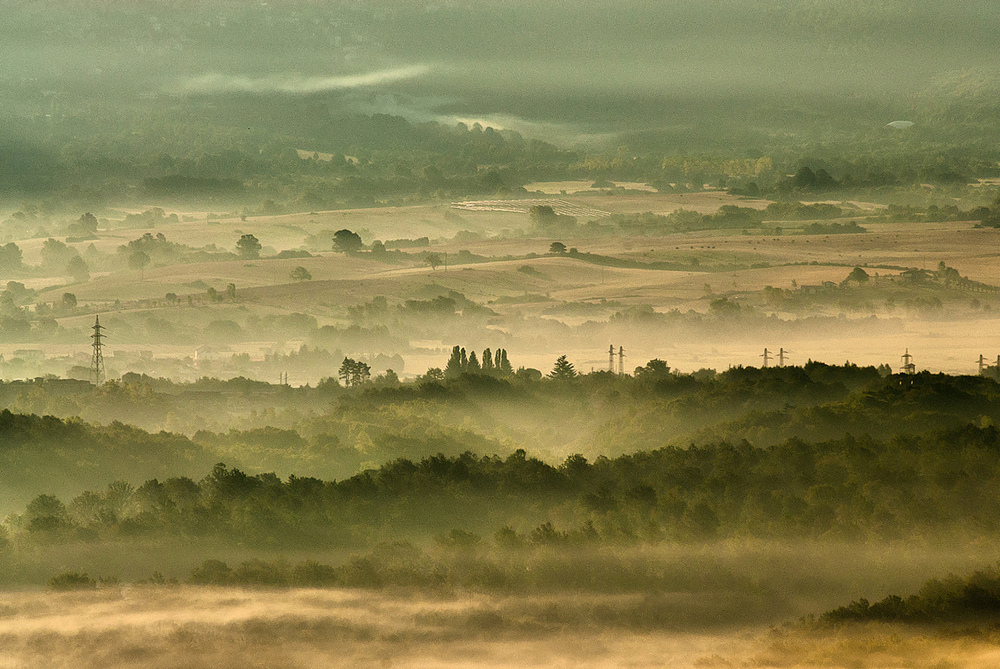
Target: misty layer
[(187, 627), (222, 628)]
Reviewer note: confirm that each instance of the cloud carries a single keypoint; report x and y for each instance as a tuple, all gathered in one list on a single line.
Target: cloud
[(296, 83)]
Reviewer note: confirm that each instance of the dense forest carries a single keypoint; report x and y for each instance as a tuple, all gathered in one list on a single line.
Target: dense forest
[(850, 488), (824, 452), (332, 431)]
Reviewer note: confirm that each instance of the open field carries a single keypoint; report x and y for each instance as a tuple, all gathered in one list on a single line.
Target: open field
[(543, 303), (408, 222), (574, 187), (968, 250), (524, 285)]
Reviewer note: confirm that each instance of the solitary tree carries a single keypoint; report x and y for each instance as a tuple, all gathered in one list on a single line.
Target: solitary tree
[(77, 268), (248, 247), (362, 372), (991, 214), (10, 256), (345, 371), (346, 241), (563, 370), (859, 275), (433, 375), (454, 368), (55, 255), (45, 512), (88, 223), (542, 215), (557, 247), (301, 274), (501, 363), (433, 259), (654, 369), (139, 260)]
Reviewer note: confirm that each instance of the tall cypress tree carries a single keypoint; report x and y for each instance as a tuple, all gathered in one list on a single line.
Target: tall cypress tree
[(505, 368), (454, 367)]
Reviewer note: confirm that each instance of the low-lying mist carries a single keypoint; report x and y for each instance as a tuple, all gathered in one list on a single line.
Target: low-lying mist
[(222, 628)]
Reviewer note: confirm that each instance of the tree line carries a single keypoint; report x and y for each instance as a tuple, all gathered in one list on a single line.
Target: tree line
[(973, 599), (493, 363), (849, 488)]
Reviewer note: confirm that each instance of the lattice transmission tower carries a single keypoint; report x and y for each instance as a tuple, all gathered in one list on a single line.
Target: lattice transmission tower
[(97, 361)]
